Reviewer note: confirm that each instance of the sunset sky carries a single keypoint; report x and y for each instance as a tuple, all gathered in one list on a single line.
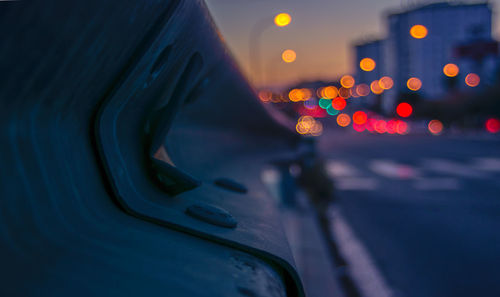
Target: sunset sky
[(321, 33)]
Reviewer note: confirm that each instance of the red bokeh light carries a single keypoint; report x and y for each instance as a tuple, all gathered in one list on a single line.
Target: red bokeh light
[(401, 127), (380, 126), (359, 117), (339, 103), (404, 110), (358, 127), (493, 125), (391, 126)]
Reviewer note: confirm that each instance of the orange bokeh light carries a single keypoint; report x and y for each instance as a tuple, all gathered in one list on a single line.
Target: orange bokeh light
[(347, 81), (367, 64), (344, 93), (435, 127), (289, 56), (404, 109), (386, 83), (418, 31), (329, 92), (414, 84), (343, 120), (265, 96), (359, 117), (363, 90), (472, 80), (450, 70), (375, 87)]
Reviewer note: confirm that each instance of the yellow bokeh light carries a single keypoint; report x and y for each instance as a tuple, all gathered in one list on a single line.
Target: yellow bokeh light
[(418, 31), (451, 70), (289, 56), (347, 81), (308, 125), (282, 19), (386, 83), (414, 84), (343, 120), (367, 64), (375, 87)]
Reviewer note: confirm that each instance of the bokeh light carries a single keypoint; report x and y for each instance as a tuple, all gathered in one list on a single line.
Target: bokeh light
[(282, 19), (414, 84), (343, 120), (402, 127), (493, 125), (404, 110), (332, 111), (324, 103), (344, 93), (347, 81), (375, 87), (363, 90), (418, 31), (308, 125), (472, 80), (380, 126), (367, 64), (450, 70), (289, 56), (358, 128), (339, 103), (359, 117), (435, 127), (329, 92), (265, 96), (386, 82)]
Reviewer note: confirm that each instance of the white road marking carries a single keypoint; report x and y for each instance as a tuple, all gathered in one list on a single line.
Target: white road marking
[(340, 169), (391, 169), (437, 183), (487, 164), (452, 167), (361, 267), (356, 184)]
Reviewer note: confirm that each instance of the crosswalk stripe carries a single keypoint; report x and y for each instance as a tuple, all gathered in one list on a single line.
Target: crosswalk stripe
[(391, 169), (487, 164), (452, 167), (337, 168)]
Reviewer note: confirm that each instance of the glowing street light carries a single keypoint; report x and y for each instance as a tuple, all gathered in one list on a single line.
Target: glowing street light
[(418, 31), (282, 19), (289, 56)]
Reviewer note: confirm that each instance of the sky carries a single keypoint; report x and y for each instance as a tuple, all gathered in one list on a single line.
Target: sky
[(321, 33)]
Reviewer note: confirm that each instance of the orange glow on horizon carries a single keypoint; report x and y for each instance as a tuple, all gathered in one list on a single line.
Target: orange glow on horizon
[(418, 31), (367, 64), (450, 70), (282, 19)]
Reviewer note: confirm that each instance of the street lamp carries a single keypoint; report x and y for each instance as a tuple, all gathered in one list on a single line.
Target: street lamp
[(280, 20)]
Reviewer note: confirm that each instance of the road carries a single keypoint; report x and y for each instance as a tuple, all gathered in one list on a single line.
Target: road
[(426, 208)]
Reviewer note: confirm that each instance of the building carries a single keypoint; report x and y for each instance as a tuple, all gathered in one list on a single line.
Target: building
[(447, 31)]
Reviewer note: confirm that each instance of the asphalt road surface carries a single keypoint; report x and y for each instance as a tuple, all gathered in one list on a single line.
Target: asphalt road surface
[(426, 208)]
